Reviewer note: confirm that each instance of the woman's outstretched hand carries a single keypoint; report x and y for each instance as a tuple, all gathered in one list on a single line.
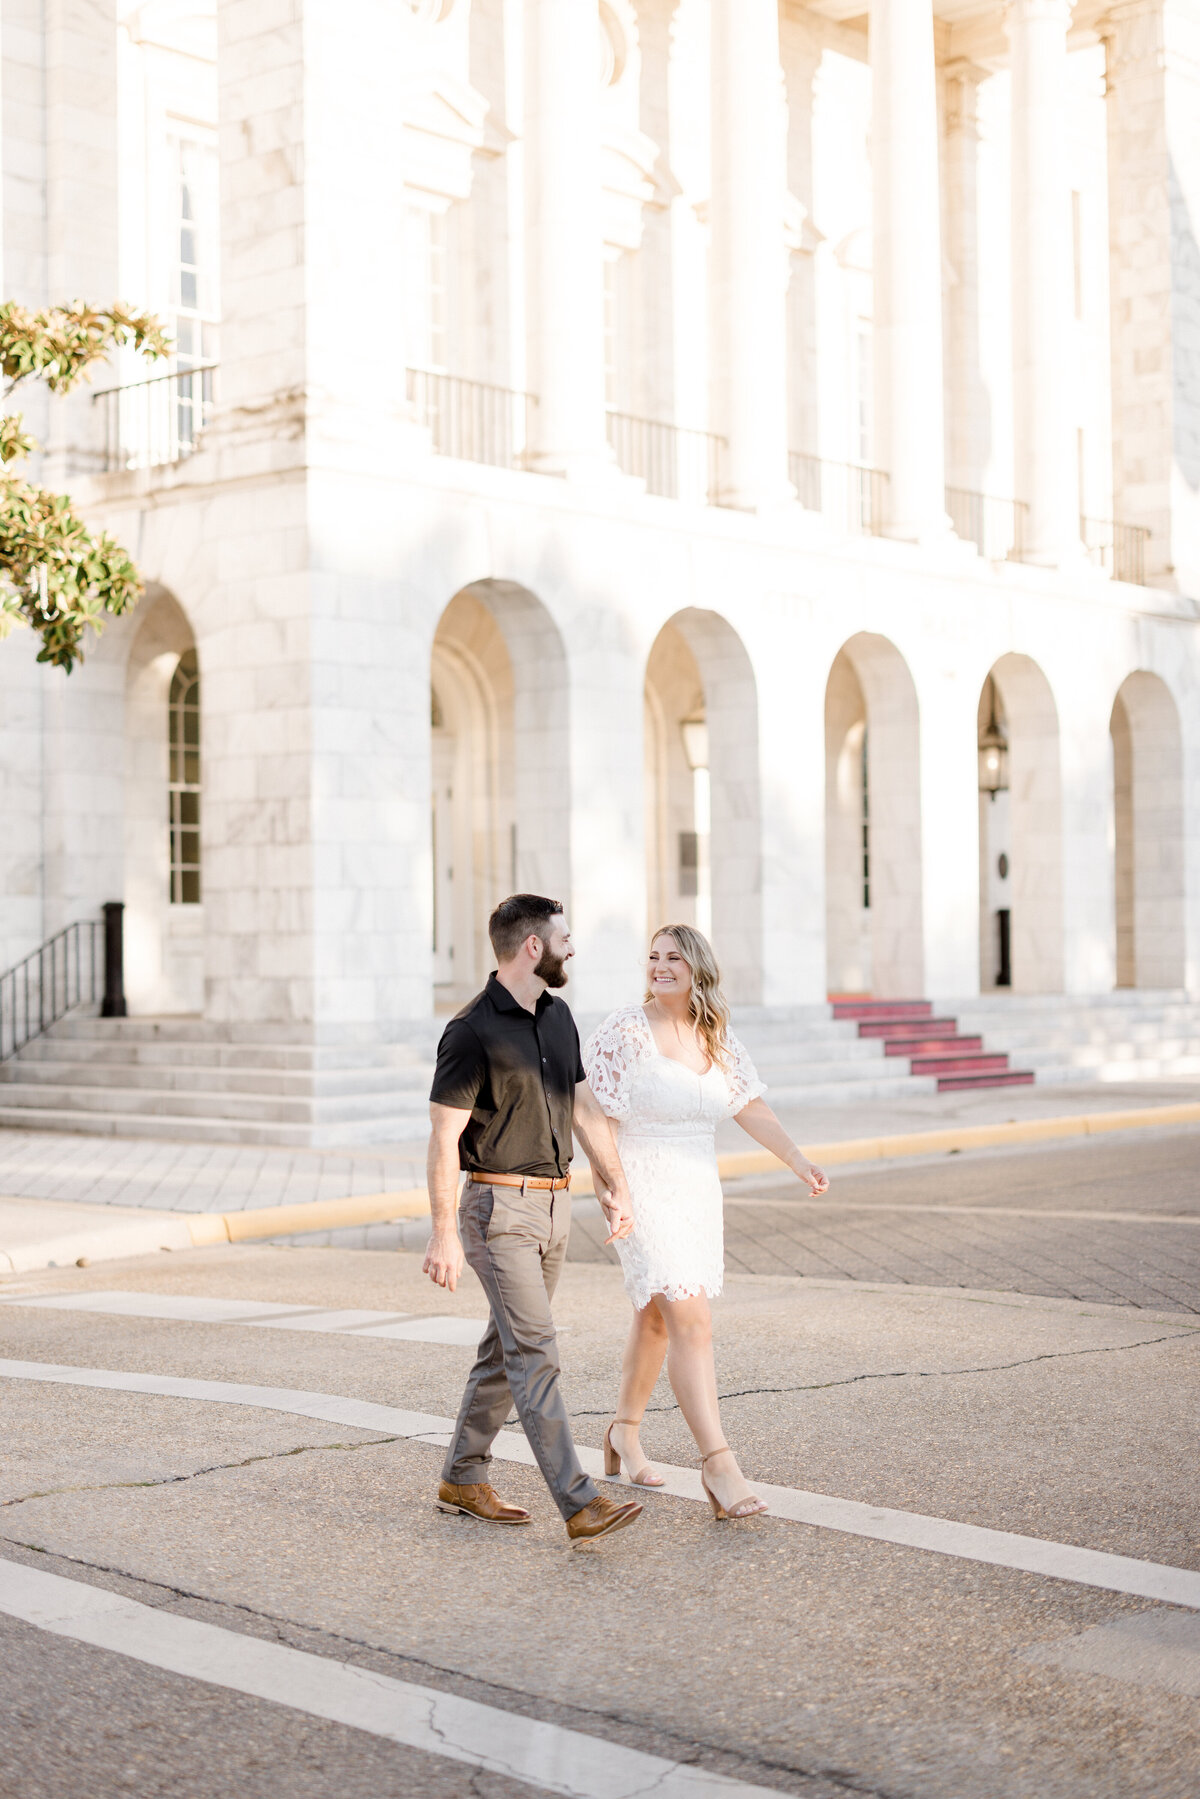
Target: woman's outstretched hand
[(817, 1180)]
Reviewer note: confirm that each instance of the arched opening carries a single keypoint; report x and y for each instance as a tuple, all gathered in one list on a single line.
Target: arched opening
[(1147, 750), (872, 823), (164, 919), (500, 802), (703, 837), (1020, 832)]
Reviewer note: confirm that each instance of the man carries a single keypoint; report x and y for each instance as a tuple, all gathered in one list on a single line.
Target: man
[(508, 1092)]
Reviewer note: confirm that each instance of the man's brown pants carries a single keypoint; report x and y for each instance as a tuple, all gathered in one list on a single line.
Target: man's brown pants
[(516, 1242)]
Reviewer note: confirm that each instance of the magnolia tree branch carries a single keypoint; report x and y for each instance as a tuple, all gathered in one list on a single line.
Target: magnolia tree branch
[(56, 575)]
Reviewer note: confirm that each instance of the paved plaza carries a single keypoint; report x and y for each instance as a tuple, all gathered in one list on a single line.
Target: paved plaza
[(967, 1390)]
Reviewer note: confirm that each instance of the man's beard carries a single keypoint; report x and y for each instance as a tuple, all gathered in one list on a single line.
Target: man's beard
[(551, 968)]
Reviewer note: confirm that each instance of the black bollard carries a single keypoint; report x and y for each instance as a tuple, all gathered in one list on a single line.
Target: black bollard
[(113, 1005)]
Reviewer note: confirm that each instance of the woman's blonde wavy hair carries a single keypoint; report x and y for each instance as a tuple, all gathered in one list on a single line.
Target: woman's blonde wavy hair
[(708, 1009)]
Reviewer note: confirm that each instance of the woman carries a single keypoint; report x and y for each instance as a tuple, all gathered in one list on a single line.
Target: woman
[(668, 1071)]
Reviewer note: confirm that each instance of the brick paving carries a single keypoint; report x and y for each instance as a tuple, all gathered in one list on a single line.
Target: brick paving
[(194, 1177), (886, 1226)]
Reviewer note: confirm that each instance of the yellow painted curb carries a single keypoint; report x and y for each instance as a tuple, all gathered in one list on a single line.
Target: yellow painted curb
[(207, 1228), (312, 1215)]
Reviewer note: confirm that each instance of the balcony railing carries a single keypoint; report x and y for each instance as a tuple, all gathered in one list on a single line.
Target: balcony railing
[(153, 422), (849, 494), (996, 527), (1117, 548), (673, 460), (473, 420)]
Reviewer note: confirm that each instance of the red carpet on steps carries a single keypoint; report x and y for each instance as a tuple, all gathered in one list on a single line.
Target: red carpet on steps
[(932, 1045)]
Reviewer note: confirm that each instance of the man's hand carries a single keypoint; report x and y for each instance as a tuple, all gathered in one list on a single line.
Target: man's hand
[(444, 1259), (617, 1207)]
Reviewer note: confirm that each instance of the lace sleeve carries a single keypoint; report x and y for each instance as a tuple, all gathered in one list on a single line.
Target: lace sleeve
[(742, 1078), (610, 1057)]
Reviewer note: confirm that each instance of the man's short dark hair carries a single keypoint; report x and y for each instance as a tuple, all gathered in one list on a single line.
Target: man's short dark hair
[(519, 916)]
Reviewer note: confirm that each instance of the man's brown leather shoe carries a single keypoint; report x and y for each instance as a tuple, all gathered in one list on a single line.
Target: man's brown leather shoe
[(478, 1500), (600, 1517)]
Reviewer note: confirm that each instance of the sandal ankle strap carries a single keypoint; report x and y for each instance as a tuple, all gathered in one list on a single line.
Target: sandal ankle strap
[(721, 1449)]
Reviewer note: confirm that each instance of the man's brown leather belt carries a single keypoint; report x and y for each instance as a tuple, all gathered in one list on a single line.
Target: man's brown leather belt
[(523, 1180)]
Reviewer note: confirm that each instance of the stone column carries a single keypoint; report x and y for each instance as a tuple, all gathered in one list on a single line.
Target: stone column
[(564, 267), (1153, 81), (909, 417), (967, 408), (313, 637), (748, 254), (1044, 440), (81, 202)]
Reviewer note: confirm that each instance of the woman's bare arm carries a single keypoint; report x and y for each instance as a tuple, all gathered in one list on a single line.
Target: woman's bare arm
[(759, 1122)]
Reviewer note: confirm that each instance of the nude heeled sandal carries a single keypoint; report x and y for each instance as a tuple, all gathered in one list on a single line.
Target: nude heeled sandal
[(750, 1507), (612, 1461)]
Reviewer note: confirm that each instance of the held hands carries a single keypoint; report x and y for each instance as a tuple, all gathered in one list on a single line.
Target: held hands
[(444, 1259), (816, 1180), (618, 1212)]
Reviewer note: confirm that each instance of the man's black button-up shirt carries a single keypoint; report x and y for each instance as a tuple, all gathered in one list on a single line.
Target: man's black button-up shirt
[(517, 1072)]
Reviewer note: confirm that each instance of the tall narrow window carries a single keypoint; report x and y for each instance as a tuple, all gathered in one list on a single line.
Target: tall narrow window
[(194, 291), (866, 827), (184, 781), (1077, 250), (611, 330), (863, 383)]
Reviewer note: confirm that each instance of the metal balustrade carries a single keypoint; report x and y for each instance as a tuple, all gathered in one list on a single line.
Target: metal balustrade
[(996, 527), (149, 423), (473, 420), (67, 971), (849, 494), (675, 461), (1119, 549)]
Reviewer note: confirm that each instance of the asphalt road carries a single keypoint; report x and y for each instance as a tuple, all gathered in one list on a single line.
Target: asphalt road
[(965, 1365)]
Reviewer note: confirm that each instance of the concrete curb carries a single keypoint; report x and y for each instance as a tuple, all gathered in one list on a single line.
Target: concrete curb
[(413, 1202), (103, 1234)]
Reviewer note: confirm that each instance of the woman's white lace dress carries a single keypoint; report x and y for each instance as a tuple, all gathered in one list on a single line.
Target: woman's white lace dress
[(666, 1119)]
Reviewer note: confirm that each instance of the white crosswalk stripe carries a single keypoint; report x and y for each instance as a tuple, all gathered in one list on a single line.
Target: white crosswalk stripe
[(913, 1530), (263, 1314), (545, 1756)]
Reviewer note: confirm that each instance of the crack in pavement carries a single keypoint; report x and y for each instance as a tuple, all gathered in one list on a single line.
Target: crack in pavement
[(170, 1480), (513, 1700), (851, 1380)]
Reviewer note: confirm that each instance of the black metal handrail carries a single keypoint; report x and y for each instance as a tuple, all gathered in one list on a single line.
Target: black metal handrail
[(80, 964), (677, 462), (849, 494), (67, 971), (156, 421)]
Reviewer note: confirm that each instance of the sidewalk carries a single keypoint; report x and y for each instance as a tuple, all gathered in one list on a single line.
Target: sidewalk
[(66, 1197)]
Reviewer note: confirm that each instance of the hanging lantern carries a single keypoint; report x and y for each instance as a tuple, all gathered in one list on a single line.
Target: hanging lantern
[(694, 732), (993, 755)]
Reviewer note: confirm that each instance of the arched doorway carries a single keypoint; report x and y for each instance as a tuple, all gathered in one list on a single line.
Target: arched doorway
[(1147, 751), (873, 928), (1020, 831), (703, 834), (164, 777), (500, 803)]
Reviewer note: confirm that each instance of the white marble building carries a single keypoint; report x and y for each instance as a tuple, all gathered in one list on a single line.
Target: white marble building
[(650, 443)]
